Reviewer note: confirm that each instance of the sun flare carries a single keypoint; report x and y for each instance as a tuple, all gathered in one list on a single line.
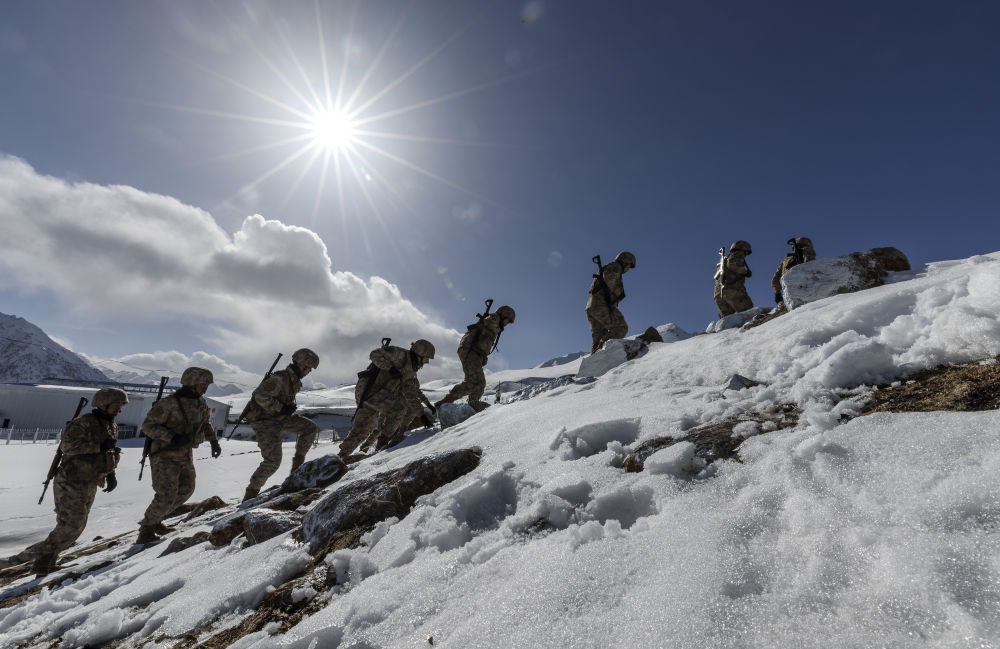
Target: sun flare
[(332, 130)]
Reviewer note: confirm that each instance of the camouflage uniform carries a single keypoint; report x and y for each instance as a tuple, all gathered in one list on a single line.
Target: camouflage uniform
[(730, 293), (272, 414), (176, 425), (84, 467), (474, 350), (606, 321), (802, 245), (392, 401)]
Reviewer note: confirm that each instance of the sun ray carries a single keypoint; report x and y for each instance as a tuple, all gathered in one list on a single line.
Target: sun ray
[(320, 186), (429, 139), (378, 213), (256, 149), (298, 180), (270, 172), (374, 64)]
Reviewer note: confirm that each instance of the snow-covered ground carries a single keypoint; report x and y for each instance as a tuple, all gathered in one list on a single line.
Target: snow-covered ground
[(878, 532)]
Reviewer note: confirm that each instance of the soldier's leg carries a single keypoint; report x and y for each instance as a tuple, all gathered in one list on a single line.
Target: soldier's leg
[(364, 423), (617, 327), (185, 483), (720, 301), (73, 501), (468, 360), (269, 441), (475, 378), (165, 476), (394, 414), (305, 430), (738, 299)]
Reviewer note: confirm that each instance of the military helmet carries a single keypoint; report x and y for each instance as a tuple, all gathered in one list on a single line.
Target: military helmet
[(803, 242), (197, 376), (422, 347), (626, 257), (741, 245), (506, 313), (107, 396), (307, 357)]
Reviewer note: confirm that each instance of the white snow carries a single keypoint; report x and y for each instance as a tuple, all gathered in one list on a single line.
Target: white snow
[(882, 531)]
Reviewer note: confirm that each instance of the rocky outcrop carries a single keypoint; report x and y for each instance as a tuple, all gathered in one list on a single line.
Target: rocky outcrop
[(736, 320), (260, 525), (614, 353), (450, 414), (205, 506), (186, 542), (815, 280), (366, 502), (319, 472)]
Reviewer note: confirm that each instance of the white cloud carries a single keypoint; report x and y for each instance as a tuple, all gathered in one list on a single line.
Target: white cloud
[(115, 253)]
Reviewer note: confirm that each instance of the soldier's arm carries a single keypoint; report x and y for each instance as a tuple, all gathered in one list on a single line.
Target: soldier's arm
[(490, 329), (776, 279), (156, 424), (81, 439), (736, 266), (386, 359), (612, 275), (268, 394)]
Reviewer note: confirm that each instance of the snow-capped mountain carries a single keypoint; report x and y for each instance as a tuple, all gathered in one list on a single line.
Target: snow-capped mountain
[(28, 355)]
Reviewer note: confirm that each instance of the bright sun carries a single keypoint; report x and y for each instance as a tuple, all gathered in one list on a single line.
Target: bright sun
[(332, 130)]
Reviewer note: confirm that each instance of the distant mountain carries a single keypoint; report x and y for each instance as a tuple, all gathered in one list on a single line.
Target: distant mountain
[(561, 360), (27, 355), (153, 378)]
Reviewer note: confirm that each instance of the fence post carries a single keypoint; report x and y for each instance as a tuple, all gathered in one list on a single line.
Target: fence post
[(8, 436), (34, 440)]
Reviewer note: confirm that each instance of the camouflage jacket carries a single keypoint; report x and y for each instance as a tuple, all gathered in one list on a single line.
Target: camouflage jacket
[(480, 337), (178, 414), (734, 270), (386, 386), (787, 263), (276, 392), (611, 276), (83, 460)]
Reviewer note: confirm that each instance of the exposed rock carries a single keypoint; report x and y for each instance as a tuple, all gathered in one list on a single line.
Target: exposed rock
[(714, 441), (614, 353), (964, 388), (671, 333), (450, 414), (650, 336), (552, 384), (739, 382), (186, 542), (205, 506), (365, 502), (736, 320), (260, 525), (815, 280), (227, 528), (292, 501), (318, 472)]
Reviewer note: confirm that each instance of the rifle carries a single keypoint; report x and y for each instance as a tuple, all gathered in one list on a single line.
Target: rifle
[(148, 443), (371, 372), (796, 252), (478, 324), (54, 467), (246, 408), (599, 276), (720, 269)]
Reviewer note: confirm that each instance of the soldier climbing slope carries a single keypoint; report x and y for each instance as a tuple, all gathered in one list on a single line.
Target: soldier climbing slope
[(272, 413), (474, 349), (732, 270), (802, 251), (606, 291), (89, 458), (388, 390), (176, 425)]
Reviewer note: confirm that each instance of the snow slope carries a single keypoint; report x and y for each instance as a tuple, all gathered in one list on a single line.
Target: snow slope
[(881, 531), (28, 355)]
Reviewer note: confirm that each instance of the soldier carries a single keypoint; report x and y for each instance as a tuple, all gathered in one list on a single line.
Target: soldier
[(730, 293), (176, 425), (606, 291), (89, 458), (802, 251), (272, 413), (389, 390), (474, 350)]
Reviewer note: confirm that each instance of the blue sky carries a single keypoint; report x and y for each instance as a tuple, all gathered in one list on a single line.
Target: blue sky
[(515, 140)]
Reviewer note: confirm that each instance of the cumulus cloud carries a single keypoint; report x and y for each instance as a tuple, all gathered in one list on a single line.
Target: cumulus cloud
[(114, 252)]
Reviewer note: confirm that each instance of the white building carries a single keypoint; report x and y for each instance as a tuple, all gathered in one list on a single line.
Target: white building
[(26, 407)]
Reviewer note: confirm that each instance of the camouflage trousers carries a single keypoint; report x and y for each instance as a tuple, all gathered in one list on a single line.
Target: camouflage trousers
[(173, 483), (474, 383), (606, 323), (73, 503), (269, 432), (391, 413), (731, 299)]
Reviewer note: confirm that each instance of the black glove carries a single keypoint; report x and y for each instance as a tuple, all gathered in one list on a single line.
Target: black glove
[(111, 481), (288, 409), (216, 448), (107, 444), (434, 411), (777, 298), (395, 373), (180, 440)]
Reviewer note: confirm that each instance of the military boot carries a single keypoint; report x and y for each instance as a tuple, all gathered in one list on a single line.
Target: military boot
[(162, 529), (147, 534), (44, 564), (21, 557), (251, 492), (479, 406), (297, 461)]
